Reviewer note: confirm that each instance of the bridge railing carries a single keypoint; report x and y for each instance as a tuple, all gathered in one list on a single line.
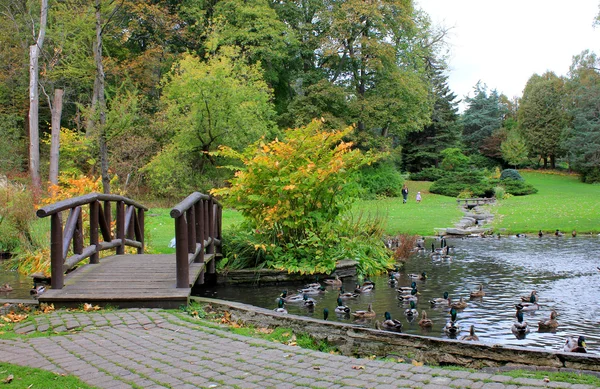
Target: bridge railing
[(129, 230), (198, 226)]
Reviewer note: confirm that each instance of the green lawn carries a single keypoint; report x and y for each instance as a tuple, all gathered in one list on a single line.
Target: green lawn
[(562, 202), (28, 377)]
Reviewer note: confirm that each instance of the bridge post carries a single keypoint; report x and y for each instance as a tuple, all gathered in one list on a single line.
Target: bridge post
[(94, 221), (212, 234), (181, 252), (140, 219), (121, 226), (56, 248)]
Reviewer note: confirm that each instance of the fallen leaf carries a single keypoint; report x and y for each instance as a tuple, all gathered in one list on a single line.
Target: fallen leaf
[(46, 308), (358, 367), (546, 379), (417, 363), (15, 317), (9, 379), (89, 307), (264, 330), (400, 360), (316, 368)]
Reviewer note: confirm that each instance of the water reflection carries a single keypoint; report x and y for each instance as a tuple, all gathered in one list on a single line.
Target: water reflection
[(562, 270)]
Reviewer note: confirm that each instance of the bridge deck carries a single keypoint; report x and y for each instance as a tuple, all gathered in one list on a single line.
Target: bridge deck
[(125, 281)]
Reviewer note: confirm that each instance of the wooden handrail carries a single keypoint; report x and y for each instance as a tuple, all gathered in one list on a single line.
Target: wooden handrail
[(197, 231), (100, 221)]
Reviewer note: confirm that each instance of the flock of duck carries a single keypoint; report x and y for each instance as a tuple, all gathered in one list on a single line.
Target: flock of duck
[(409, 295)]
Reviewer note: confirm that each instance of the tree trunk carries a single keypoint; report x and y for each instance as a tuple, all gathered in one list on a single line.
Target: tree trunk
[(34, 132), (100, 108), (55, 141), (552, 161)]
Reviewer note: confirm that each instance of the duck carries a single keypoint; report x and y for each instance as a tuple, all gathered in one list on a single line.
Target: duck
[(425, 322), (325, 313), (341, 308), (395, 273), (346, 295), (405, 298), (6, 288), (390, 324), (451, 327), (308, 302), (296, 298), (333, 282), (527, 299), (369, 313), (412, 311), (557, 233), (314, 285), (549, 324), (407, 289), (313, 291), (574, 234), (421, 277), (443, 301), (460, 304), (37, 290), (575, 345), (392, 281), (478, 293), (520, 327), (365, 288), (471, 337), (532, 305), (280, 308), (540, 234)]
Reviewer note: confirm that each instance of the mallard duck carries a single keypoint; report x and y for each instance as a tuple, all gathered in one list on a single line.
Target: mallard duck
[(575, 345), (325, 313), (405, 298), (520, 328), (548, 324), (296, 298), (390, 324), (365, 288), (341, 308), (460, 304), (392, 281), (407, 289), (333, 282), (425, 322), (369, 313), (540, 233), (314, 285), (532, 305), (528, 299), (395, 273), (557, 233), (471, 336), (313, 291), (280, 308), (421, 277), (412, 311), (6, 288), (451, 328), (308, 302), (439, 301), (478, 293), (37, 290), (346, 295)]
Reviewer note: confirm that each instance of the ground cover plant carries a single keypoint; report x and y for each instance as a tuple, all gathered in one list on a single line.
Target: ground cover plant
[(562, 202), (29, 377)]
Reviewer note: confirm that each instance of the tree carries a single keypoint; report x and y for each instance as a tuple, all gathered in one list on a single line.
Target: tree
[(422, 149), (483, 116), (34, 100), (206, 105), (582, 137), (542, 116), (514, 149)]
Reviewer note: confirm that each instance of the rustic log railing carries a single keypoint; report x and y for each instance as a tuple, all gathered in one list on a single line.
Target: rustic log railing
[(198, 221), (129, 230)]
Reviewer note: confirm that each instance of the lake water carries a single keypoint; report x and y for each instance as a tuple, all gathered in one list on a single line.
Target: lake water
[(562, 270)]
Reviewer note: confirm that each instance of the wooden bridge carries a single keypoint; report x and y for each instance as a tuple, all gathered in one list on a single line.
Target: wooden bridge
[(472, 203), (128, 280)]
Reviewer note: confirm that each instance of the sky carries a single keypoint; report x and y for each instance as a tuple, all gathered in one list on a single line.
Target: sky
[(503, 43)]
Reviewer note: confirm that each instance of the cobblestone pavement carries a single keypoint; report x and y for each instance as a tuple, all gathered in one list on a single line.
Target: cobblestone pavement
[(142, 348)]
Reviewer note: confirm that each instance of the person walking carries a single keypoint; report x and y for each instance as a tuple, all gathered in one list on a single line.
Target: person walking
[(418, 197), (404, 194)]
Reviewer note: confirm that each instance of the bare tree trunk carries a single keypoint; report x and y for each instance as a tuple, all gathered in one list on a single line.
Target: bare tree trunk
[(101, 101), (55, 140), (34, 99)]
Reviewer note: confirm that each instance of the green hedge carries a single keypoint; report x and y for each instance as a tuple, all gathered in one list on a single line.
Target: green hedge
[(380, 180)]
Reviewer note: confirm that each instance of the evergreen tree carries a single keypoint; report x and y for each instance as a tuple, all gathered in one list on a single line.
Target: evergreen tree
[(422, 149), (484, 115)]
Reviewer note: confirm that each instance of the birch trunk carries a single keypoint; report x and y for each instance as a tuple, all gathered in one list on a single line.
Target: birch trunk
[(34, 100), (55, 140), (101, 101)]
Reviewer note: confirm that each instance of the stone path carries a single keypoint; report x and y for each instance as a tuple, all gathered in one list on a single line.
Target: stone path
[(139, 348)]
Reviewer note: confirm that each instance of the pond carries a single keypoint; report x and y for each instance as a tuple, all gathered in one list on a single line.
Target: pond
[(563, 271)]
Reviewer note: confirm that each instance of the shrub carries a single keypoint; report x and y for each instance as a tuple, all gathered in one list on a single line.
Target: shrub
[(454, 159), (517, 188), (16, 214), (510, 174), (380, 180), (428, 174), (499, 192), (473, 181)]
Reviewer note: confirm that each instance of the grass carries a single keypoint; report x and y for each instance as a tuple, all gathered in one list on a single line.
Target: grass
[(434, 211), (562, 202), (568, 377), (28, 377)]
